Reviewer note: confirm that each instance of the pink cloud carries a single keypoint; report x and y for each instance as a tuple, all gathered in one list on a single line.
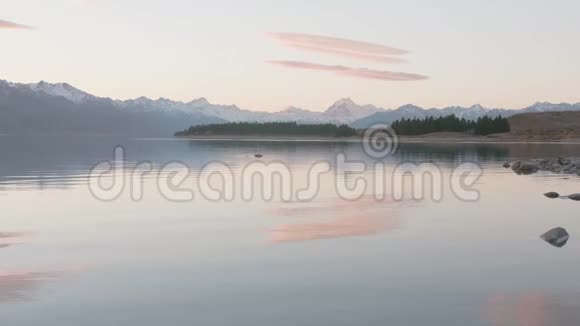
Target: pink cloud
[(350, 72), (339, 46), (4, 24), (350, 54)]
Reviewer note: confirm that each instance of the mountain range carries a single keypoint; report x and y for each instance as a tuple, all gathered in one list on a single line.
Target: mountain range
[(56, 108)]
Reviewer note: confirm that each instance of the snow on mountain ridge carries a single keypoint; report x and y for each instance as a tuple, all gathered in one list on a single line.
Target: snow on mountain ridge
[(60, 89), (344, 110), (347, 111), (199, 102)]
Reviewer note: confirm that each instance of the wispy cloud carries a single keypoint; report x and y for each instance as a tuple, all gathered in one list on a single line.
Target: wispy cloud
[(4, 24), (355, 55), (349, 71), (339, 46)]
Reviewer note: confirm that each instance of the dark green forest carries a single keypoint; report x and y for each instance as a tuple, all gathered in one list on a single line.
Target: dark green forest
[(482, 126), (269, 129)]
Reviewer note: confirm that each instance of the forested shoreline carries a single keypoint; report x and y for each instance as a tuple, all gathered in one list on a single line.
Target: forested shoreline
[(269, 129), (404, 127), (451, 123)]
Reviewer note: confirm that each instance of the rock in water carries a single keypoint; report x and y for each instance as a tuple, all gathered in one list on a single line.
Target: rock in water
[(523, 167), (574, 196), (506, 165), (563, 161), (552, 194), (557, 237), (258, 155)]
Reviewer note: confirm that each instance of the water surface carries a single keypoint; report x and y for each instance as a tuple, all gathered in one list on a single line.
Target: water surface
[(71, 259)]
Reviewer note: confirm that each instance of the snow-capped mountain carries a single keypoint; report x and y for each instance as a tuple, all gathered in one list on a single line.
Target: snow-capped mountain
[(471, 113), (347, 111), (61, 89), (342, 111), (59, 102), (295, 114), (60, 108), (549, 107)]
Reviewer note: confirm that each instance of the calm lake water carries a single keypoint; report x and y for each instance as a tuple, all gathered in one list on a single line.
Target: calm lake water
[(68, 258)]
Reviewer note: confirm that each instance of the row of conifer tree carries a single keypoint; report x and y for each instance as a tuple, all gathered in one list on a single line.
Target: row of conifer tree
[(270, 128), (482, 126)]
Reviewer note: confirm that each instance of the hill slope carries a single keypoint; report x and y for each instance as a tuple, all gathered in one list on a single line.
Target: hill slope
[(546, 125), (28, 111)]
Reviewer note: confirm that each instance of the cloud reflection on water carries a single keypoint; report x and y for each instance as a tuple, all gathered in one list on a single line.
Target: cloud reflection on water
[(338, 219), (7, 239), (532, 309), (18, 286), (21, 286)]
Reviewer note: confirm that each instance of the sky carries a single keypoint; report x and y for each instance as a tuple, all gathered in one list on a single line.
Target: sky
[(268, 55)]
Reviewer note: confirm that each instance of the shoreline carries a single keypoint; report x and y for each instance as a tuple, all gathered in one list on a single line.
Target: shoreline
[(441, 138), (272, 138)]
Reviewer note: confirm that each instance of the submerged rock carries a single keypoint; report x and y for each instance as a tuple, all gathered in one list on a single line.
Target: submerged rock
[(552, 194), (506, 165), (557, 237)]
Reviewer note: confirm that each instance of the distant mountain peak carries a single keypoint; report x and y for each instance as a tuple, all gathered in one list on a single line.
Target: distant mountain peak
[(60, 89), (142, 99), (346, 101), (199, 101), (346, 111), (409, 108), (476, 107), (343, 111), (292, 109)]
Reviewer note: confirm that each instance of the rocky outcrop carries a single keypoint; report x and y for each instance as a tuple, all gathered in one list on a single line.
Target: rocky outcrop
[(525, 167), (559, 165)]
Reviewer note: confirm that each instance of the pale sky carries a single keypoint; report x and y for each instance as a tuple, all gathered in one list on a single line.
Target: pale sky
[(496, 53)]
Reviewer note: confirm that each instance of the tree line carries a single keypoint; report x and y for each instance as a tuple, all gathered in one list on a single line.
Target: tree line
[(269, 129), (482, 126)]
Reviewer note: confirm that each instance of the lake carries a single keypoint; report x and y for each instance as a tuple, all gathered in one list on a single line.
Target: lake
[(158, 250)]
